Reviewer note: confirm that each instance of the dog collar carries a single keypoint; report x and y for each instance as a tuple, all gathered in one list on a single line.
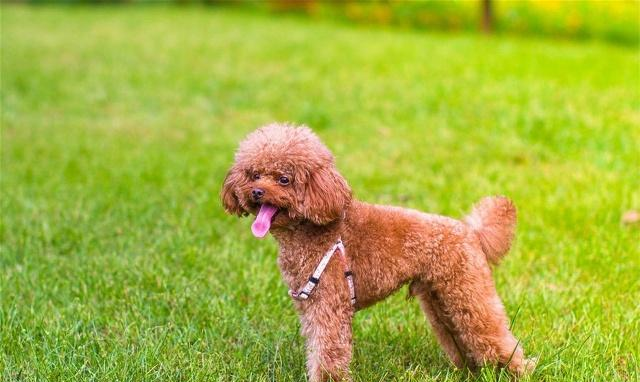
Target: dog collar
[(314, 279)]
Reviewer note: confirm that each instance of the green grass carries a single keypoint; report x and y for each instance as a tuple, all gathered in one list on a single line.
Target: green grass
[(118, 125)]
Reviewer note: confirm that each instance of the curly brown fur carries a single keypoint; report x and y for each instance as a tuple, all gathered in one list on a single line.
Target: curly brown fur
[(445, 261)]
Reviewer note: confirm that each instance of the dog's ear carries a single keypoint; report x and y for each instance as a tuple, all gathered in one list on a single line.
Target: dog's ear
[(326, 195), (228, 195)]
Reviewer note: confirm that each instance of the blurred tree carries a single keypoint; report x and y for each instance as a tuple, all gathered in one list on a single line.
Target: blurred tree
[(305, 6), (487, 15)]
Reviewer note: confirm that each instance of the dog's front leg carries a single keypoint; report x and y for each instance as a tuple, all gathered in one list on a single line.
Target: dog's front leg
[(327, 328)]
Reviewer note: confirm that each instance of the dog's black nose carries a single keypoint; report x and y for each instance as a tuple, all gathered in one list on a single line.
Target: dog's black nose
[(257, 193)]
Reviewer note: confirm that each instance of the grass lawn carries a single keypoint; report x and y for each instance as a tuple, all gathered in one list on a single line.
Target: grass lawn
[(118, 125)]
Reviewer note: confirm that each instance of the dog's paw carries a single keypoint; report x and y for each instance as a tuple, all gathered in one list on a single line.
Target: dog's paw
[(529, 365)]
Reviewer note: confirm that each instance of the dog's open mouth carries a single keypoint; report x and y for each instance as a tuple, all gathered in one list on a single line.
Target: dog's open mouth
[(265, 216)]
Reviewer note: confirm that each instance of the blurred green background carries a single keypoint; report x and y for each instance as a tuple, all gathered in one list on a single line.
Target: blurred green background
[(119, 123), (615, 21)]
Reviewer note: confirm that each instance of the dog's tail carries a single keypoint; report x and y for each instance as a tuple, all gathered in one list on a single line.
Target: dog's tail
[(493, 219)]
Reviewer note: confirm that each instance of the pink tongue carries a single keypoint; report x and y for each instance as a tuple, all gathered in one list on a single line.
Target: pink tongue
[(261, 225)]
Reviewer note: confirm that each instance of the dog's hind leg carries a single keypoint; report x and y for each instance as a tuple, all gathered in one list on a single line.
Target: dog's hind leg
[(478, 319), (445, 337)]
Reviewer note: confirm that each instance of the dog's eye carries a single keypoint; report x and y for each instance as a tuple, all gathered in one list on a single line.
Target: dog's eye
[(283, 180), (255, 176)]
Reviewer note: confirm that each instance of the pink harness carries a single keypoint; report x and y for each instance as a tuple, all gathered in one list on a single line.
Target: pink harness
[(314, 279)]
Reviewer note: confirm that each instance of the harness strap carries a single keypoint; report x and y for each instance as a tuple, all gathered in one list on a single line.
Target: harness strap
[(314, 279)]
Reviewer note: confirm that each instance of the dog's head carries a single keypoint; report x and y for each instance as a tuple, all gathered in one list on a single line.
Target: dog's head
[(284, 174)]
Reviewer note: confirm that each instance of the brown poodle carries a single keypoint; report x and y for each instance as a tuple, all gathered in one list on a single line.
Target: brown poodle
[(287, 178)]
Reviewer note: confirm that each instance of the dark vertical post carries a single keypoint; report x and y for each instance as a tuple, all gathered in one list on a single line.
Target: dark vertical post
[(487, 16)]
